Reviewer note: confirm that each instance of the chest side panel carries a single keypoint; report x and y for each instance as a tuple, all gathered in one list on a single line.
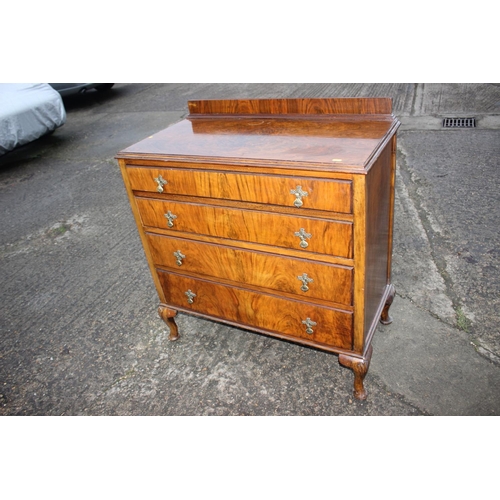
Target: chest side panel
[(378, 233)]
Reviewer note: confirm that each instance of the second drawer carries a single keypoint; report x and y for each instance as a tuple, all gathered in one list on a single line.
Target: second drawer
[(322, 236)]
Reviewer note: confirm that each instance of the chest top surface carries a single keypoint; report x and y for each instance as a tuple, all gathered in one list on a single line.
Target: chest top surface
[(337, 134)]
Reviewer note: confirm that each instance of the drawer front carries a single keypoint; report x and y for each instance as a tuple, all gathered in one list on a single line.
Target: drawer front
[(295, 319), (301, 192), (304, 278), (311, 235)]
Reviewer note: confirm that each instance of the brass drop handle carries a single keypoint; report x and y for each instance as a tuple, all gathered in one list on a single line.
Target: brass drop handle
[(190, 296), (305, 281), (160, 181), (179, 256), (299, 194), (170, 217), (309, 324), (303, 235)]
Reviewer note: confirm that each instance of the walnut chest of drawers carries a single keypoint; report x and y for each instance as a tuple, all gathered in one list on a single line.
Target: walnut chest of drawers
[(274, 215)]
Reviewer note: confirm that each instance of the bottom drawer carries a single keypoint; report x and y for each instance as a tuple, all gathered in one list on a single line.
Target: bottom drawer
[(295, 319)]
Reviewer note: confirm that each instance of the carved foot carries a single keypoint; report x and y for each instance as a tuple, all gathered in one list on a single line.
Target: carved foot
[(168, 315), (385, 318), (360, 367)]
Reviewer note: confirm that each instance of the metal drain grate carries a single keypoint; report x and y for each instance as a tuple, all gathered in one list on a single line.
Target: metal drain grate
[(459, 122)]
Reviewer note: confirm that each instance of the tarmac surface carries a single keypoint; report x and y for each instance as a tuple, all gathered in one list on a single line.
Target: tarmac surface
[(79, 331)]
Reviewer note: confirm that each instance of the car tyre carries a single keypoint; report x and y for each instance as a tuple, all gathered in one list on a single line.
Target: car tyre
[(104, 86)]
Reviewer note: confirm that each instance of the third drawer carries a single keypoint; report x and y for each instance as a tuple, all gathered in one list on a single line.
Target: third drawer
[(284, 274)]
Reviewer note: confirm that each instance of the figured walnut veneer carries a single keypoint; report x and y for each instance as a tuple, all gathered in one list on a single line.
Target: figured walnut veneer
[(273, 215)]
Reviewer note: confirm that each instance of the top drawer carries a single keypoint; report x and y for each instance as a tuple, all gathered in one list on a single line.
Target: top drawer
[(300, 192)]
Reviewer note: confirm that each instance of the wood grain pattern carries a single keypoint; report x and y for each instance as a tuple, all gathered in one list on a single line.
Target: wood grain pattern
[(330, 195), (140, 229), (230, 248), (308, 106), (266, 312), (254, 140), (257, 247), (168, 315), (277, 169), (331, 283), (392, 194), (330, 237), (378, 196), (385, 317), (360, 368), (359, 243)]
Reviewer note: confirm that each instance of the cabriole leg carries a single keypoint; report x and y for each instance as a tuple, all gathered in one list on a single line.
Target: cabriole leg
[(168, 315), (360, 367), (385, 318)]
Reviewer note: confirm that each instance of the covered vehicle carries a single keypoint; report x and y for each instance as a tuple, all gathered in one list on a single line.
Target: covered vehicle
[(28, 111)]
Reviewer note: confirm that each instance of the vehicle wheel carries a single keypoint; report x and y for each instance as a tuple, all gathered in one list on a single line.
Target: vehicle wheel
[(104, 86)]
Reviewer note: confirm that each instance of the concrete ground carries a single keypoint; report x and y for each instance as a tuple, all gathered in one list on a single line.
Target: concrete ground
[(79, 332)]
